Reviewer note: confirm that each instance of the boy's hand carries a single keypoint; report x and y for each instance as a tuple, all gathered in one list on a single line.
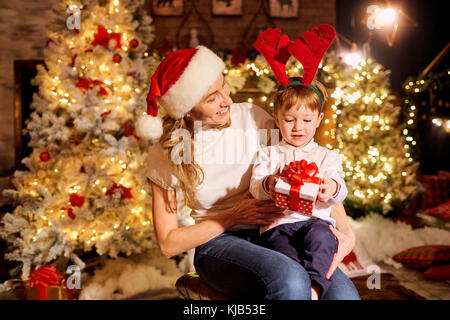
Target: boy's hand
[(327, 189), (272, 181)]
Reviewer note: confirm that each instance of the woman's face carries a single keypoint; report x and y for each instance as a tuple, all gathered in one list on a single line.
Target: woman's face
[(214, 108)]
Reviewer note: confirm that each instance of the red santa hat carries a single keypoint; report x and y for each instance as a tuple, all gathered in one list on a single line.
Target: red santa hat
[(178, 84)]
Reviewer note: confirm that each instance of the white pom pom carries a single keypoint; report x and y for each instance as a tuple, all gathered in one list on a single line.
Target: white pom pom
[(149, 127)]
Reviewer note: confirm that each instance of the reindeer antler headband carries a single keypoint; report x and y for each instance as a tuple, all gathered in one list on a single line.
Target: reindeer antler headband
[(308, 50)]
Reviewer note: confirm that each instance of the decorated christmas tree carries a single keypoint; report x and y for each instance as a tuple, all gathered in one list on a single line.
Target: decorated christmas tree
[(85, 189), (379, 170)]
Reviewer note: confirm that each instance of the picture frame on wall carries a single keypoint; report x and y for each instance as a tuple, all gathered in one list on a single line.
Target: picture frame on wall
[(167, 7), (226, 7), (283, 8)]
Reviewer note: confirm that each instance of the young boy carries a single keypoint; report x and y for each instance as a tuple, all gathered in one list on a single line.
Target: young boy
[(306, 239)]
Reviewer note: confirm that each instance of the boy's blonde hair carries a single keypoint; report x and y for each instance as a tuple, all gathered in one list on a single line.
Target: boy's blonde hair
[(289, 97)]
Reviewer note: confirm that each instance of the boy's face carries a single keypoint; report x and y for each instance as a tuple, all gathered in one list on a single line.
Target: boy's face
[(298, 125)]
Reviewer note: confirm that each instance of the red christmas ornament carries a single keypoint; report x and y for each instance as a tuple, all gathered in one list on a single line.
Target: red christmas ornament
[(45, 156), (76, 200), (134, 43), (117, 58), (49, 41)]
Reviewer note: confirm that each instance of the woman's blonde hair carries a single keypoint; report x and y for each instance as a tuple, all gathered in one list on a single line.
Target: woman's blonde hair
[(289, 97), (190, 175)]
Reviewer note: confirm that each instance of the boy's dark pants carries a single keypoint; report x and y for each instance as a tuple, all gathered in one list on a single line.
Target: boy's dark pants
[(310, 242)]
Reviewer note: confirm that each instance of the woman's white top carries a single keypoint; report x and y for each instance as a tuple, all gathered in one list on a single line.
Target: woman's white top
[(328, 162), (226, 157)]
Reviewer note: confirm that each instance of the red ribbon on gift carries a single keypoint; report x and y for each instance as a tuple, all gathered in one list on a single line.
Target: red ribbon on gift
[(298, 173), (43, 277)]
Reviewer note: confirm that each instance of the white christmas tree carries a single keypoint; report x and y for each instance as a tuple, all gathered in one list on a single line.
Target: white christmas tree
[(86, 187)]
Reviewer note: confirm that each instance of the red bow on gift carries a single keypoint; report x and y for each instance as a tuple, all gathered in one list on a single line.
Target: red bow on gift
[(298, 173), (44, 277)]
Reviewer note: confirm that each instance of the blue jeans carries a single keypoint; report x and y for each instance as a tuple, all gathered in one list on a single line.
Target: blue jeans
[(240, 269)]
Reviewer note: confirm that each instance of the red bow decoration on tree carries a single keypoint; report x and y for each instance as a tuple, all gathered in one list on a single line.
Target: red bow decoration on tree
[(126, 192), (69, 212), (89, 84), (308, 50), (298, 173), (43, 277), (238, 56), (73, 59), (129, 130), (166, 47), (76, 200), (104, 114), (102, 37)]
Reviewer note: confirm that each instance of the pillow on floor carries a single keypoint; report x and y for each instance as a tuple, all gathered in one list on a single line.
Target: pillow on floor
[(441, 273), (424, 257), (441, 211), (444, 173), (436, 190)]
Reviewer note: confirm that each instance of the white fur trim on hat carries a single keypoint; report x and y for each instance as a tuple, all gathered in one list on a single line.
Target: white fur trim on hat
[(203, 70), (149, 127)]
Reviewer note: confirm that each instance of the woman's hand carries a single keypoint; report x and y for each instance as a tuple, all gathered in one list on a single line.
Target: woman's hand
[(250, 211), (327, 189), (346, 244), (271, 182)]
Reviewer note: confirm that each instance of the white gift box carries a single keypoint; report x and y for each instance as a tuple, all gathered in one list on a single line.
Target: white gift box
[(308, 190)]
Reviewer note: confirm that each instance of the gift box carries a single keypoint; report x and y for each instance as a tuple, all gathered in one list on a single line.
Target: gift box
[(47, 283), (298, 186)]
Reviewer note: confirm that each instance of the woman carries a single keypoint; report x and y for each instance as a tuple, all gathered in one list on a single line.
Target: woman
[(219, 141)]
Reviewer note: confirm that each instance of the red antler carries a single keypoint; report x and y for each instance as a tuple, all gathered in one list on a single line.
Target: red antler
[(310, 48), (275, 49)]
